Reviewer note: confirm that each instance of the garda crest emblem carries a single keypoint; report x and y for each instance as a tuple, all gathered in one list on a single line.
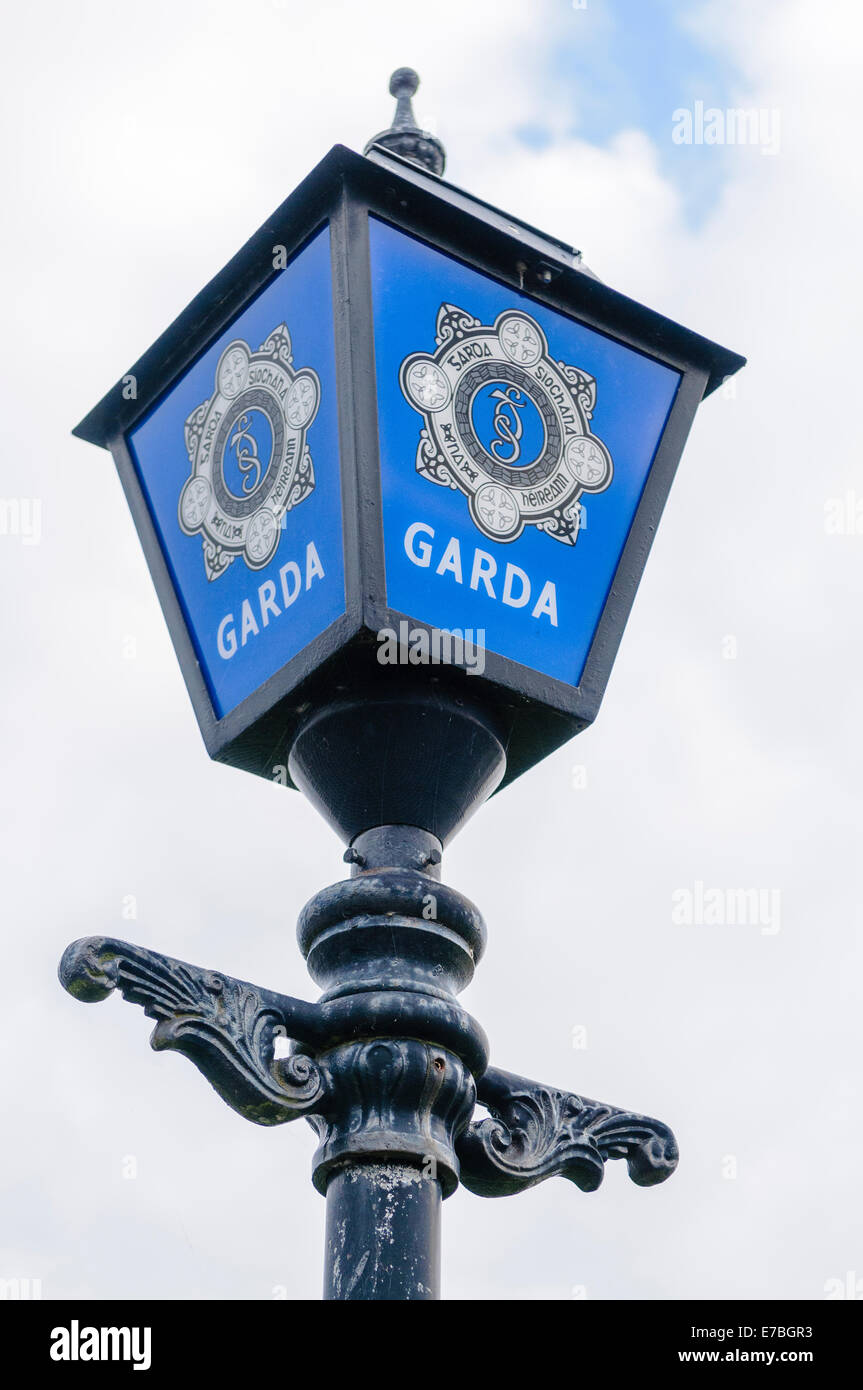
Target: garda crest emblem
[(506, 425), (247, 447)]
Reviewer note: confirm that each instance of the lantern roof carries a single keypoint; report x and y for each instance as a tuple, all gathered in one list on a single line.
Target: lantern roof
[(499, 242)]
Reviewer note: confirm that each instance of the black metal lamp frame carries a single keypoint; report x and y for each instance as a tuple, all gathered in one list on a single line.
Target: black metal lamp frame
[(345, 190)]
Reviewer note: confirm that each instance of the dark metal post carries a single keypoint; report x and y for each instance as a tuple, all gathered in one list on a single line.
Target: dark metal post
[(383, 1233), (392, 947)]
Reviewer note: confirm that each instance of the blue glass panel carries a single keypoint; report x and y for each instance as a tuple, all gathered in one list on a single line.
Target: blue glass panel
[(239, 463), (515, 445)]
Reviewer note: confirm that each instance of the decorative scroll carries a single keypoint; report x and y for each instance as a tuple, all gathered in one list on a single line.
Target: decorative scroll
[(537, 1132), (452, 324), (226, 1027), (278, 345), (365, 1093), (304, 482), (583, 387), (431, 463)]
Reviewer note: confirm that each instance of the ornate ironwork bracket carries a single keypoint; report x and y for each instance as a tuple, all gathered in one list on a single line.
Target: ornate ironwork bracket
[(226, 1027), (387, 1067), (538, 1132)]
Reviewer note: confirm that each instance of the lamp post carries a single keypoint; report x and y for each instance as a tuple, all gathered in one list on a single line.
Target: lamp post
[(396, 472)]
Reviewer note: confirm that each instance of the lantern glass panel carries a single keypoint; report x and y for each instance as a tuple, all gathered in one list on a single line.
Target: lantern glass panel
[(239, 464), (515, 443)]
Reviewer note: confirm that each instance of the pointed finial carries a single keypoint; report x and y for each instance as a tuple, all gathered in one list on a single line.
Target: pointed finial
[(404, 136), (403, 85)]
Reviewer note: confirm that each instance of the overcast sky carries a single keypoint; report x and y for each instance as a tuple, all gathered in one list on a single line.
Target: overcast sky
[(141, 146)]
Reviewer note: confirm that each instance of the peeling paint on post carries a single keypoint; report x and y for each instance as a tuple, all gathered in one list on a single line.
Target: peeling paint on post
[(383, 1234)]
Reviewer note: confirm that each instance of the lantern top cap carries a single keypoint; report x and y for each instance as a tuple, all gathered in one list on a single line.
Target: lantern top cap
[(404, 136)]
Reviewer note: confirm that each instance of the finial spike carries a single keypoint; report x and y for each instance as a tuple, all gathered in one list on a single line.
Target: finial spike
[(404, 136), (403, 84)]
